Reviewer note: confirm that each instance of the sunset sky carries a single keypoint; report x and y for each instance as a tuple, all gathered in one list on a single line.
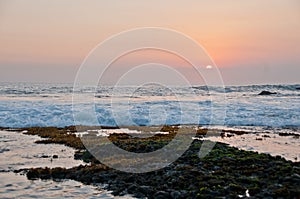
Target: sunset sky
[(252, 42)]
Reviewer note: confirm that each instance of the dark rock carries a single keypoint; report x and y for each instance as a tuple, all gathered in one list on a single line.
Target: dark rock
[(236, 188), (32, 175), (55, 156), (59, 173), (266, 136), (225, 171), (229, 135), (42, 173), (298, 88), (282, 192), (146, 190), (4, 150), (267, 93), (289, 134), (175, 194), (132, 189), (295, 178), (215, 182), (161, 195)]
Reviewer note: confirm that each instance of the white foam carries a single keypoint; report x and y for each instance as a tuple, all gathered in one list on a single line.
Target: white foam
[(51, 105), (107, 132)]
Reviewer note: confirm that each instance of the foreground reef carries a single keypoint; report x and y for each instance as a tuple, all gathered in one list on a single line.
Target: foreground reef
[(226, 172)]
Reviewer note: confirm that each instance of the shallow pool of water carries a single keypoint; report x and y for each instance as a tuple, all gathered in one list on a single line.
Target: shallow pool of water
[(18, 151)]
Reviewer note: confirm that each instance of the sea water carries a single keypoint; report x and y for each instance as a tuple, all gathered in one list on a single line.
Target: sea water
[(236, 107), (28, 104), (18, 151)]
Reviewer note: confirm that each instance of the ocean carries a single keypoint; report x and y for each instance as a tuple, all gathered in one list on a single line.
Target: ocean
[(36, 104), (236, 108)]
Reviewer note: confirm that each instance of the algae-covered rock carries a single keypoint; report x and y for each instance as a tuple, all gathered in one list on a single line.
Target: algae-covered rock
[(225, 172)]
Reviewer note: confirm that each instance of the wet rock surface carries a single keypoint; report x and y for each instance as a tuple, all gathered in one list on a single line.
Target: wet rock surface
[(224, 172), (267, 93)]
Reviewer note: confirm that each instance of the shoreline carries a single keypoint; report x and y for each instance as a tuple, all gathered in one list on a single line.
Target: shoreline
[(225, 171), (282, 141)]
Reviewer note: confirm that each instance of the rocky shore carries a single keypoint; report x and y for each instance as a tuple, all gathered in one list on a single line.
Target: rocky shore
[(225, 172)]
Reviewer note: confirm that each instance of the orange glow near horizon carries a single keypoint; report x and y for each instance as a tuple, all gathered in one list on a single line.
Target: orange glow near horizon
[(234, 33)]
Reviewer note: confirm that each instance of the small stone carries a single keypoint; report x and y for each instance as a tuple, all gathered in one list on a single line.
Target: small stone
[(55, 156)]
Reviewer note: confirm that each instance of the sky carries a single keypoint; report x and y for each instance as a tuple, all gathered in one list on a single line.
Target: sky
[(251, 42)]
